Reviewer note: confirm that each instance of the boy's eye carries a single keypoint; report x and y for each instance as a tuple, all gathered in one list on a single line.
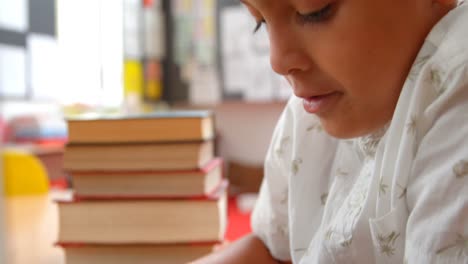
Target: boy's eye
[(317, 16), (314, 17), (259, 25)]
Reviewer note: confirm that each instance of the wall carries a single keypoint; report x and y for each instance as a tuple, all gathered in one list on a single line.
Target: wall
[(245, 130)]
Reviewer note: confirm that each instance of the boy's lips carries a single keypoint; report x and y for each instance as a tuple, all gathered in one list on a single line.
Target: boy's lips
[(317, 100), (319, 103)]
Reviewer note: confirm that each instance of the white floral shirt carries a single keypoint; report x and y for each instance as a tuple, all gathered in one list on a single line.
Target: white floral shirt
[(399, 195)]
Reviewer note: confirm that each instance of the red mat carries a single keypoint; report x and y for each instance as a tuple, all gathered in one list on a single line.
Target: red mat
[(239, 222)]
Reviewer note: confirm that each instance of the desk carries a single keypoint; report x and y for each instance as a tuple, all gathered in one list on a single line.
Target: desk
[(31, 229)]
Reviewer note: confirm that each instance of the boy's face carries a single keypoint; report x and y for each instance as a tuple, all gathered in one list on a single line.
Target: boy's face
[(347, 59)]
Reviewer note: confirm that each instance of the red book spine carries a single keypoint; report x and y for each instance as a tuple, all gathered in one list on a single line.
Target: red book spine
[(207, 168), (214, 196), (80, 244)]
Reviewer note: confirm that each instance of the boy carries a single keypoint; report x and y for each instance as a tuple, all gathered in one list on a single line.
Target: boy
[(369, 161)]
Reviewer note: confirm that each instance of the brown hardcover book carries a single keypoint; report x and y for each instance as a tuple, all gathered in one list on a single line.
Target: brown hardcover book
[(197, 182), (135, 253), (138, 156), (159, 126), (144, 219)]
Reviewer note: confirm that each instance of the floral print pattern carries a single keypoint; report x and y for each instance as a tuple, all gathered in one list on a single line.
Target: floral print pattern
[(436, 80), (387, 243), (295, 165), (382, 187), (323, 198), (282, 145), (315, 127), (461, 169), (404, 190)]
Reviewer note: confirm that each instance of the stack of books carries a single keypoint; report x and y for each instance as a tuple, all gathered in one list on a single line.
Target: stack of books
[(147, 189)]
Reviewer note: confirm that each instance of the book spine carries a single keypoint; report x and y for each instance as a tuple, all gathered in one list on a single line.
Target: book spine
[(214, 196), (197, 172), (81, 244)]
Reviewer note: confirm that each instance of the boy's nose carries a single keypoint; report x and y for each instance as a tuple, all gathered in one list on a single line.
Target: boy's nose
[(286, 52)]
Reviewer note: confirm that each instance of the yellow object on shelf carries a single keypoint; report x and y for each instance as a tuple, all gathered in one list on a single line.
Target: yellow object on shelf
[(133, 77), (23, 174)]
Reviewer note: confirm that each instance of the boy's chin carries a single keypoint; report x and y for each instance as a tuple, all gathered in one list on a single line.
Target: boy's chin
[(347, 130)]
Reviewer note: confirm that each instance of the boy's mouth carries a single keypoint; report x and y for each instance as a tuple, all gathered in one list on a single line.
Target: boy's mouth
[(319, 103)]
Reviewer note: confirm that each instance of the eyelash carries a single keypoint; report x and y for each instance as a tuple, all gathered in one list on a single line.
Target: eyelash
[(314, 17), (259, 25)]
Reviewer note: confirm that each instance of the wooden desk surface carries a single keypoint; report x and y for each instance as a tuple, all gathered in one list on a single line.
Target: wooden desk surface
[(31, 229)]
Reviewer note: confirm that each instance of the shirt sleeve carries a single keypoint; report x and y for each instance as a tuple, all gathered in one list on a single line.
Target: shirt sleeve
[(437, 227), (270, 216)]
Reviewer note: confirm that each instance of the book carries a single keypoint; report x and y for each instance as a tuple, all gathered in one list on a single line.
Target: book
[(138, 156), (144, 220), (135, 253), (156, 127), (197, 182)]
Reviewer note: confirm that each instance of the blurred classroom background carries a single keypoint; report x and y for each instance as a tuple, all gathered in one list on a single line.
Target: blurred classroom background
[(63, 58)]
